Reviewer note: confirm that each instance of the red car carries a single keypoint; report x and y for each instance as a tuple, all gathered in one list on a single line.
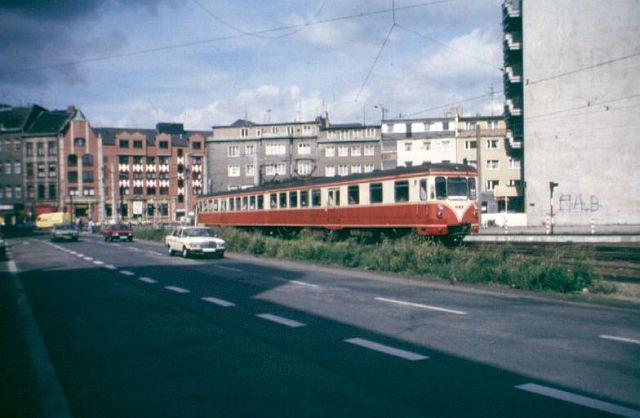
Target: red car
[(117, 231)]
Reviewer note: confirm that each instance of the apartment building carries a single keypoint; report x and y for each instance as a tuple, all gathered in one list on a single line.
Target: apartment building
[(570, 95), (345, 149), (477, 140)]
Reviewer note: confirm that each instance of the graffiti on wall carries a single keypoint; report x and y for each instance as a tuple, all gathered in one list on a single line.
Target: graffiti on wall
[(568, 203)]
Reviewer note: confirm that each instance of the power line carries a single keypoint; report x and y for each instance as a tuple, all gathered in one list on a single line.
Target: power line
[(469, 99), (221, 38)]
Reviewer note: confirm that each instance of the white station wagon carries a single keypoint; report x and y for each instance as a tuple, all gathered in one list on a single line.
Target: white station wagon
[(194, 240)]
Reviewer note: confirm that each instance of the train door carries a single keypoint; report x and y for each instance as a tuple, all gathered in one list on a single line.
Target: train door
[(333, 202)]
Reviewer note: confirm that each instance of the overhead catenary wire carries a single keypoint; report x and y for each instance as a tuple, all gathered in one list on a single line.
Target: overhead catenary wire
[(218, 39)]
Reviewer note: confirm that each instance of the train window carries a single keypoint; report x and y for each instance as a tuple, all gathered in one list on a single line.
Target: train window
[(457, 187), (238, 203), (402, 191), (293, 199), (315, 197), (273, 201), (231, 205), (252, 202), (215, 205), (423, 189), (441, 188), (283, 200), (245, 203), (471, 183), (334, 197), (375, 192), (353, 194), (260, 202), (304, 198)]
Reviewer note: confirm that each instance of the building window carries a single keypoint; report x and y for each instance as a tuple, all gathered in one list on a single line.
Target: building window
[(137, 143), (52, 150), (87, 160), (330, 151), (514, 163), (492, 184), (29, 170), (426, 145), (356, 169), (123, 159), (343, 151), (87, 176), (196, 145), (356, 150), (233, 171), (304, 168), (18, 192), (250, 170), (330, 171), (275, 149), (304, 149), (470, 144), (249, 149), (493, 164), (41, 191), (368, 168), (29, 149), (233, 151), (123, 143), (164, 144), (137, 159), (8, 168), (445, 145), (72, 160), (52, 191), (493, 144), (407, 146), (88, 192), (369, 150), (343, 170), (17, 168), (79, 142), (52, 170), (244, 132), (41, 170), (72, 176)]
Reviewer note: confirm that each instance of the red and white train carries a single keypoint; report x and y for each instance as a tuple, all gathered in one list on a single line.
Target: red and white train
[(432, 199)]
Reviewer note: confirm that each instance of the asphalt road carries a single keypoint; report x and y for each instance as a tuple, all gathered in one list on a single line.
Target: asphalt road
[(123, 329)]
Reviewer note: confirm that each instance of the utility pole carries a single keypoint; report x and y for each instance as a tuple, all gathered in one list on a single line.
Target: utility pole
[(113, 194), (187, 167), (552, 185)]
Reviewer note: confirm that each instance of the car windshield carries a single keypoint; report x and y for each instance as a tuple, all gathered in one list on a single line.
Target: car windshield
[(198, 232), (120, 226)]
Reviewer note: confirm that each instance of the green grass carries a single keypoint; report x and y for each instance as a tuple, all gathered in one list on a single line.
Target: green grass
[(414, 255)]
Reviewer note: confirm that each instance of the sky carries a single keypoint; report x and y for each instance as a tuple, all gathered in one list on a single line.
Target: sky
[(204, 63)]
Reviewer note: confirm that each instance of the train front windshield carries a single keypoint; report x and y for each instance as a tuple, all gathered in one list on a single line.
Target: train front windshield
[(455, 188)]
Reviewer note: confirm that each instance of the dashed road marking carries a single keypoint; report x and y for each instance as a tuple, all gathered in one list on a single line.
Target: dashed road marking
[(98, 262), (281, 320), (620, 339), (418, 305), (229, 268), (127, 273), (407, 355), (110, 267), (219, 302), (177, 289), (580, 400), (147, 280), (298, 282)]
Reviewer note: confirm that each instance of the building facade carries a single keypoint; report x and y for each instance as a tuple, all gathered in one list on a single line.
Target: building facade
[(579, 92)]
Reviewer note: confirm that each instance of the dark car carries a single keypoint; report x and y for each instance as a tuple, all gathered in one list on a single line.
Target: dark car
[(117, 232), (64, 231)]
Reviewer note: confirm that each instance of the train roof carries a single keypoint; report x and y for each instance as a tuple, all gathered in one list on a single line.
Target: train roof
[(313, 181)]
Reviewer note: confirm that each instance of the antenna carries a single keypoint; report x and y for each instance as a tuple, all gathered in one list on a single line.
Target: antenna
[(491, 92)]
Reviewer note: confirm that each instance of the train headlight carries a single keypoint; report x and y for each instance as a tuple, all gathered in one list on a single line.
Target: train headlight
[(440, 210)]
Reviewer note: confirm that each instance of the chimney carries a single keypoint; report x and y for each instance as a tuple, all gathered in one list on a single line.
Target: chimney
[(71, 109)]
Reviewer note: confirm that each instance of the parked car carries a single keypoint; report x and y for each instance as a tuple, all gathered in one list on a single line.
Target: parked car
[(64, 231), (117, 231), (194, 240)]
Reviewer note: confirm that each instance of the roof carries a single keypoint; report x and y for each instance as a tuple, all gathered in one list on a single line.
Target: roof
[(179, 140), (48, 123), (314, 181), (17, 119)]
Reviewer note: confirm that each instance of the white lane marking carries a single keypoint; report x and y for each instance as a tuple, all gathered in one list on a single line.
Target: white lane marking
[(621, 339), (304, 283), (177, 289), (147, 280), (154, 252), (219, 302), (127, 273), (280, 320), (407, 355), (229, 268), (418, 305), (88, 258), (110, 267), (98, 262), (52, 400), (580, 400)]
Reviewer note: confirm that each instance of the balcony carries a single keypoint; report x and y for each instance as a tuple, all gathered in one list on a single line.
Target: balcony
[(514, 73), (513, 107), (512, 8), (513, 40)]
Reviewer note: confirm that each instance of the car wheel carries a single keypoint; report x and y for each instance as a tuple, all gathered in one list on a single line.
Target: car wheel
[(106, 238), (185, 252), (130, 239), (221, 254), (171, 252)]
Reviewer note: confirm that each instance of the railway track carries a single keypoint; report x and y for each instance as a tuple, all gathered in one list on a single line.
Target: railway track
[(612, 262)]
